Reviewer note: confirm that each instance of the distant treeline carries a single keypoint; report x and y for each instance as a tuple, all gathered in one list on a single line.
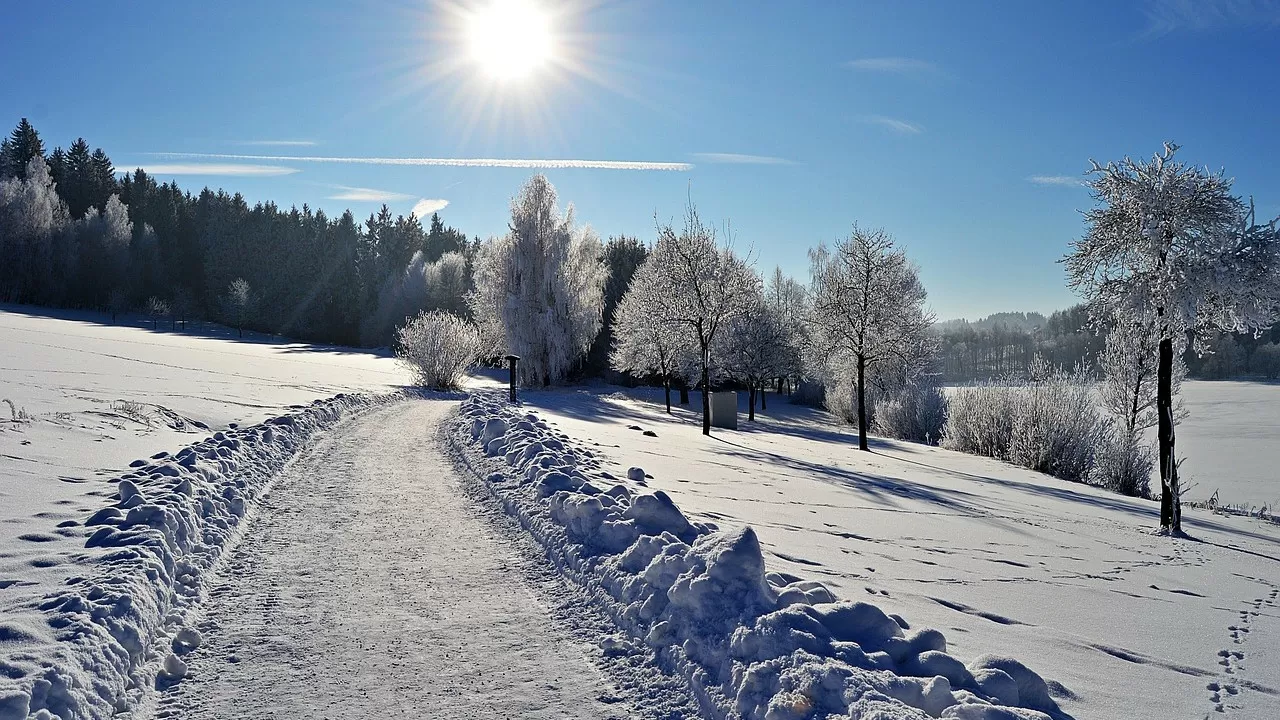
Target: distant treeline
[(1004, 345), (73, 234)]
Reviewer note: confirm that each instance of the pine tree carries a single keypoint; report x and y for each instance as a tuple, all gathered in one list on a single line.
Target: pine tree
[(24, 144), (77, 186)]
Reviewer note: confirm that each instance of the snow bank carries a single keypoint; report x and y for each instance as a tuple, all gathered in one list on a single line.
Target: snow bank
[(120, 628), (751, 643)]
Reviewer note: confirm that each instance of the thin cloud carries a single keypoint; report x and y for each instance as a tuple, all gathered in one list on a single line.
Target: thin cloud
[(892, 65), (1170, 16), (358, 194), (1059, 180), (229, 169), (741, 159), (426, 206), (449, 162), (902, 127), (277, 143)]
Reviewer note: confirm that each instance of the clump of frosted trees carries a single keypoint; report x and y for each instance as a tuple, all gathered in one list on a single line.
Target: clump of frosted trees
[(695, 310)]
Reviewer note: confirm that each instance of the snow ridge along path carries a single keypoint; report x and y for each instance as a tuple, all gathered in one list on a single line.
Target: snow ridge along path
[(374, 584), (752, 644), (96, 647)]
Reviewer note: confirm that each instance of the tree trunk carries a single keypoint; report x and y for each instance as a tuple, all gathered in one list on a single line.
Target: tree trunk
[(684, 393), (764, 387), (1169, 516), (666, 385), (240, 330), (706, 400), (751, 402), (862, 403)]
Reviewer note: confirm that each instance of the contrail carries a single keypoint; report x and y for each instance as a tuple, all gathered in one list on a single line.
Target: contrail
[(448, 162)]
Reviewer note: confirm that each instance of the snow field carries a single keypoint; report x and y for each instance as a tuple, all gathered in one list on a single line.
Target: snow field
[(100, 643), (751, 643)]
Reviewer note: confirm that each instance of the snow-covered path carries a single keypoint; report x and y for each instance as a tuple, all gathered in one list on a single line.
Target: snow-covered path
[(371, 585)]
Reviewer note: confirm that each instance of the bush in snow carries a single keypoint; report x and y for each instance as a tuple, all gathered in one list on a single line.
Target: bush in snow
[(1051, 424), (437, 347), (980, 420), (916, 413), (1122, 463), (1056, 424)]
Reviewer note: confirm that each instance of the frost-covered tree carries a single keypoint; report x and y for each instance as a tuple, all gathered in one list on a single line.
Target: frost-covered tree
[(33, 220), (755, 348), (868, 311), (788, 300), (1169, 241), (539, 289), (156, 309), (237, 303), (643, 344), (103, 243), (1128, 362), (448, 282), (698, 287)]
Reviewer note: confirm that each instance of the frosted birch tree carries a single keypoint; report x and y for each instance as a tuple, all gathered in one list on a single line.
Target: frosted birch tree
[(867, 311), (698, 287), (1169, 241), (539, 289)]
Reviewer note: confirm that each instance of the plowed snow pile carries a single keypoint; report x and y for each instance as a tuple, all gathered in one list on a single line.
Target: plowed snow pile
[(751, 643), (96, 646)]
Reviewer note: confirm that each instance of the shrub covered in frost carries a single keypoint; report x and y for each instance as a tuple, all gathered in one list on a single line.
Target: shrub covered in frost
[(980, 420), (1051, 424), (1057, 425), (437, 347), (1122, 464), (917, 413)]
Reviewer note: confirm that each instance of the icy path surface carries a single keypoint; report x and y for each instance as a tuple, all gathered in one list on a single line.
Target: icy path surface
[(371, 585)]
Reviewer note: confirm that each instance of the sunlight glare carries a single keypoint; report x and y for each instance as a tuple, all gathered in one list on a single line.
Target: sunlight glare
[(509, 39)]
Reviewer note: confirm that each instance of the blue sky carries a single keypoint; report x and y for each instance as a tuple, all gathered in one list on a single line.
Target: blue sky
[(958, 127)]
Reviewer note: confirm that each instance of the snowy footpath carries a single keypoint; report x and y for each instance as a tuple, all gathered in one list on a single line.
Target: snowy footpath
[(371, 584)]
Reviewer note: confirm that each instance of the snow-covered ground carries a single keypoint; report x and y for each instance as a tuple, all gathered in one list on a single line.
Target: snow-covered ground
[(1230, 441), (1069, 579), (100, 396), (94, 402), (370, 585)]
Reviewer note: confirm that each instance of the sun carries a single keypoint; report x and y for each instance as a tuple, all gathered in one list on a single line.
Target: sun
[(510, 39)]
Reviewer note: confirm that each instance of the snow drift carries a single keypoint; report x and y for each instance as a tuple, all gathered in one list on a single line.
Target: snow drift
[(751, 643), (121, 627)]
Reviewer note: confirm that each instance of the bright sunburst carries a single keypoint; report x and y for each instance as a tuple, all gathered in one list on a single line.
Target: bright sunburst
[(510, 39)]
